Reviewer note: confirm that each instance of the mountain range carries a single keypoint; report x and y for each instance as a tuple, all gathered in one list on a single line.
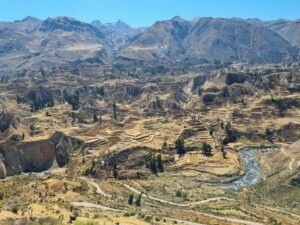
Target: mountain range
[(33, 43)]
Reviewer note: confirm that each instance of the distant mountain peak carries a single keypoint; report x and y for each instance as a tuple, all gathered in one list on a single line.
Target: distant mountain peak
[(31, 19), (177, 18), (119, 21), (96, 22), (64, 23), (209, 38), (118, 24)]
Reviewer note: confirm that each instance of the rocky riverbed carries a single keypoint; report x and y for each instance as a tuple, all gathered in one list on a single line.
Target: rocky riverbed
[(252, 168)]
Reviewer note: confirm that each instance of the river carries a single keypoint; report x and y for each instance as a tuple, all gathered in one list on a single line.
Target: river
[(252, 168)]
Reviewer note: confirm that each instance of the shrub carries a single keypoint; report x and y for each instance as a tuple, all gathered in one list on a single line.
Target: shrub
[(206, 148), (208, 98), (225, 92), (15, 209), (138, 201), (126, 214), (232, 78), (40, 98), (178, 193), (160, 165), (179, 145), (148, 219), (130, 199)]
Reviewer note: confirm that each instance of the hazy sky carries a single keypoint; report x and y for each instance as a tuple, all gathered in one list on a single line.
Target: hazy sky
[(146, 12)]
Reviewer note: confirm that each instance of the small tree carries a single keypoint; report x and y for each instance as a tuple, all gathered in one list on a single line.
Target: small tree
[(206, 148), (152, 165), (222, 125), (200, 91), (138, 201), (160, 165), (114, 110), (224, 153), (150, 162), (95, 117), (225, 92), (269, 135), (211, 133), (73, 100), (32, 129), (164, 146), (179, 146), (19, 99), (15, 209), (228, 126), (158, 102), (130, 199), (115, 170)]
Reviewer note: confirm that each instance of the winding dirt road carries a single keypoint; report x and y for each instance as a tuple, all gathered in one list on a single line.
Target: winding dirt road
[(173, 203), (233, 220), (288, 155), (98, 189), (96, 206)]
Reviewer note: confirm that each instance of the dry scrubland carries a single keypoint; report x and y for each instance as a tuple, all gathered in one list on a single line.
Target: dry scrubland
[(104, 151)]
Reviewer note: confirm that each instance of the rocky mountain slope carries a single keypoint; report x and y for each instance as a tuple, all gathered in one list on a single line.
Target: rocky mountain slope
[(208, 39), (36, 156), (64, 41), (55, 41), (119, 32), (288, 29)]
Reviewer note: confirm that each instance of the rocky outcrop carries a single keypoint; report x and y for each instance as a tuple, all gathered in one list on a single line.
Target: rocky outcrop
[(36, 156), (123, 91), (129, 163), (3, 172), (289, 132), (63, 146), (198, 81), (8, 120), (208, 98), (208, 39)]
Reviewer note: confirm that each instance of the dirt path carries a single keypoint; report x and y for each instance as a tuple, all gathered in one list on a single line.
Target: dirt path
[(277, 210), (98, 189), (105, 208), (96, 206), (183, 221), (173, 203), (228, 219), (288, 155), (234, 220), (209, 200)]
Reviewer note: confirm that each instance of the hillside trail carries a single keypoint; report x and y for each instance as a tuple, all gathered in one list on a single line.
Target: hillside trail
[(203, 201), (291, 158), (96, 186), (101, 192), (105, 208), (173, 203), (246, 222), (96, 206), (228, 219), (234, 220)]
